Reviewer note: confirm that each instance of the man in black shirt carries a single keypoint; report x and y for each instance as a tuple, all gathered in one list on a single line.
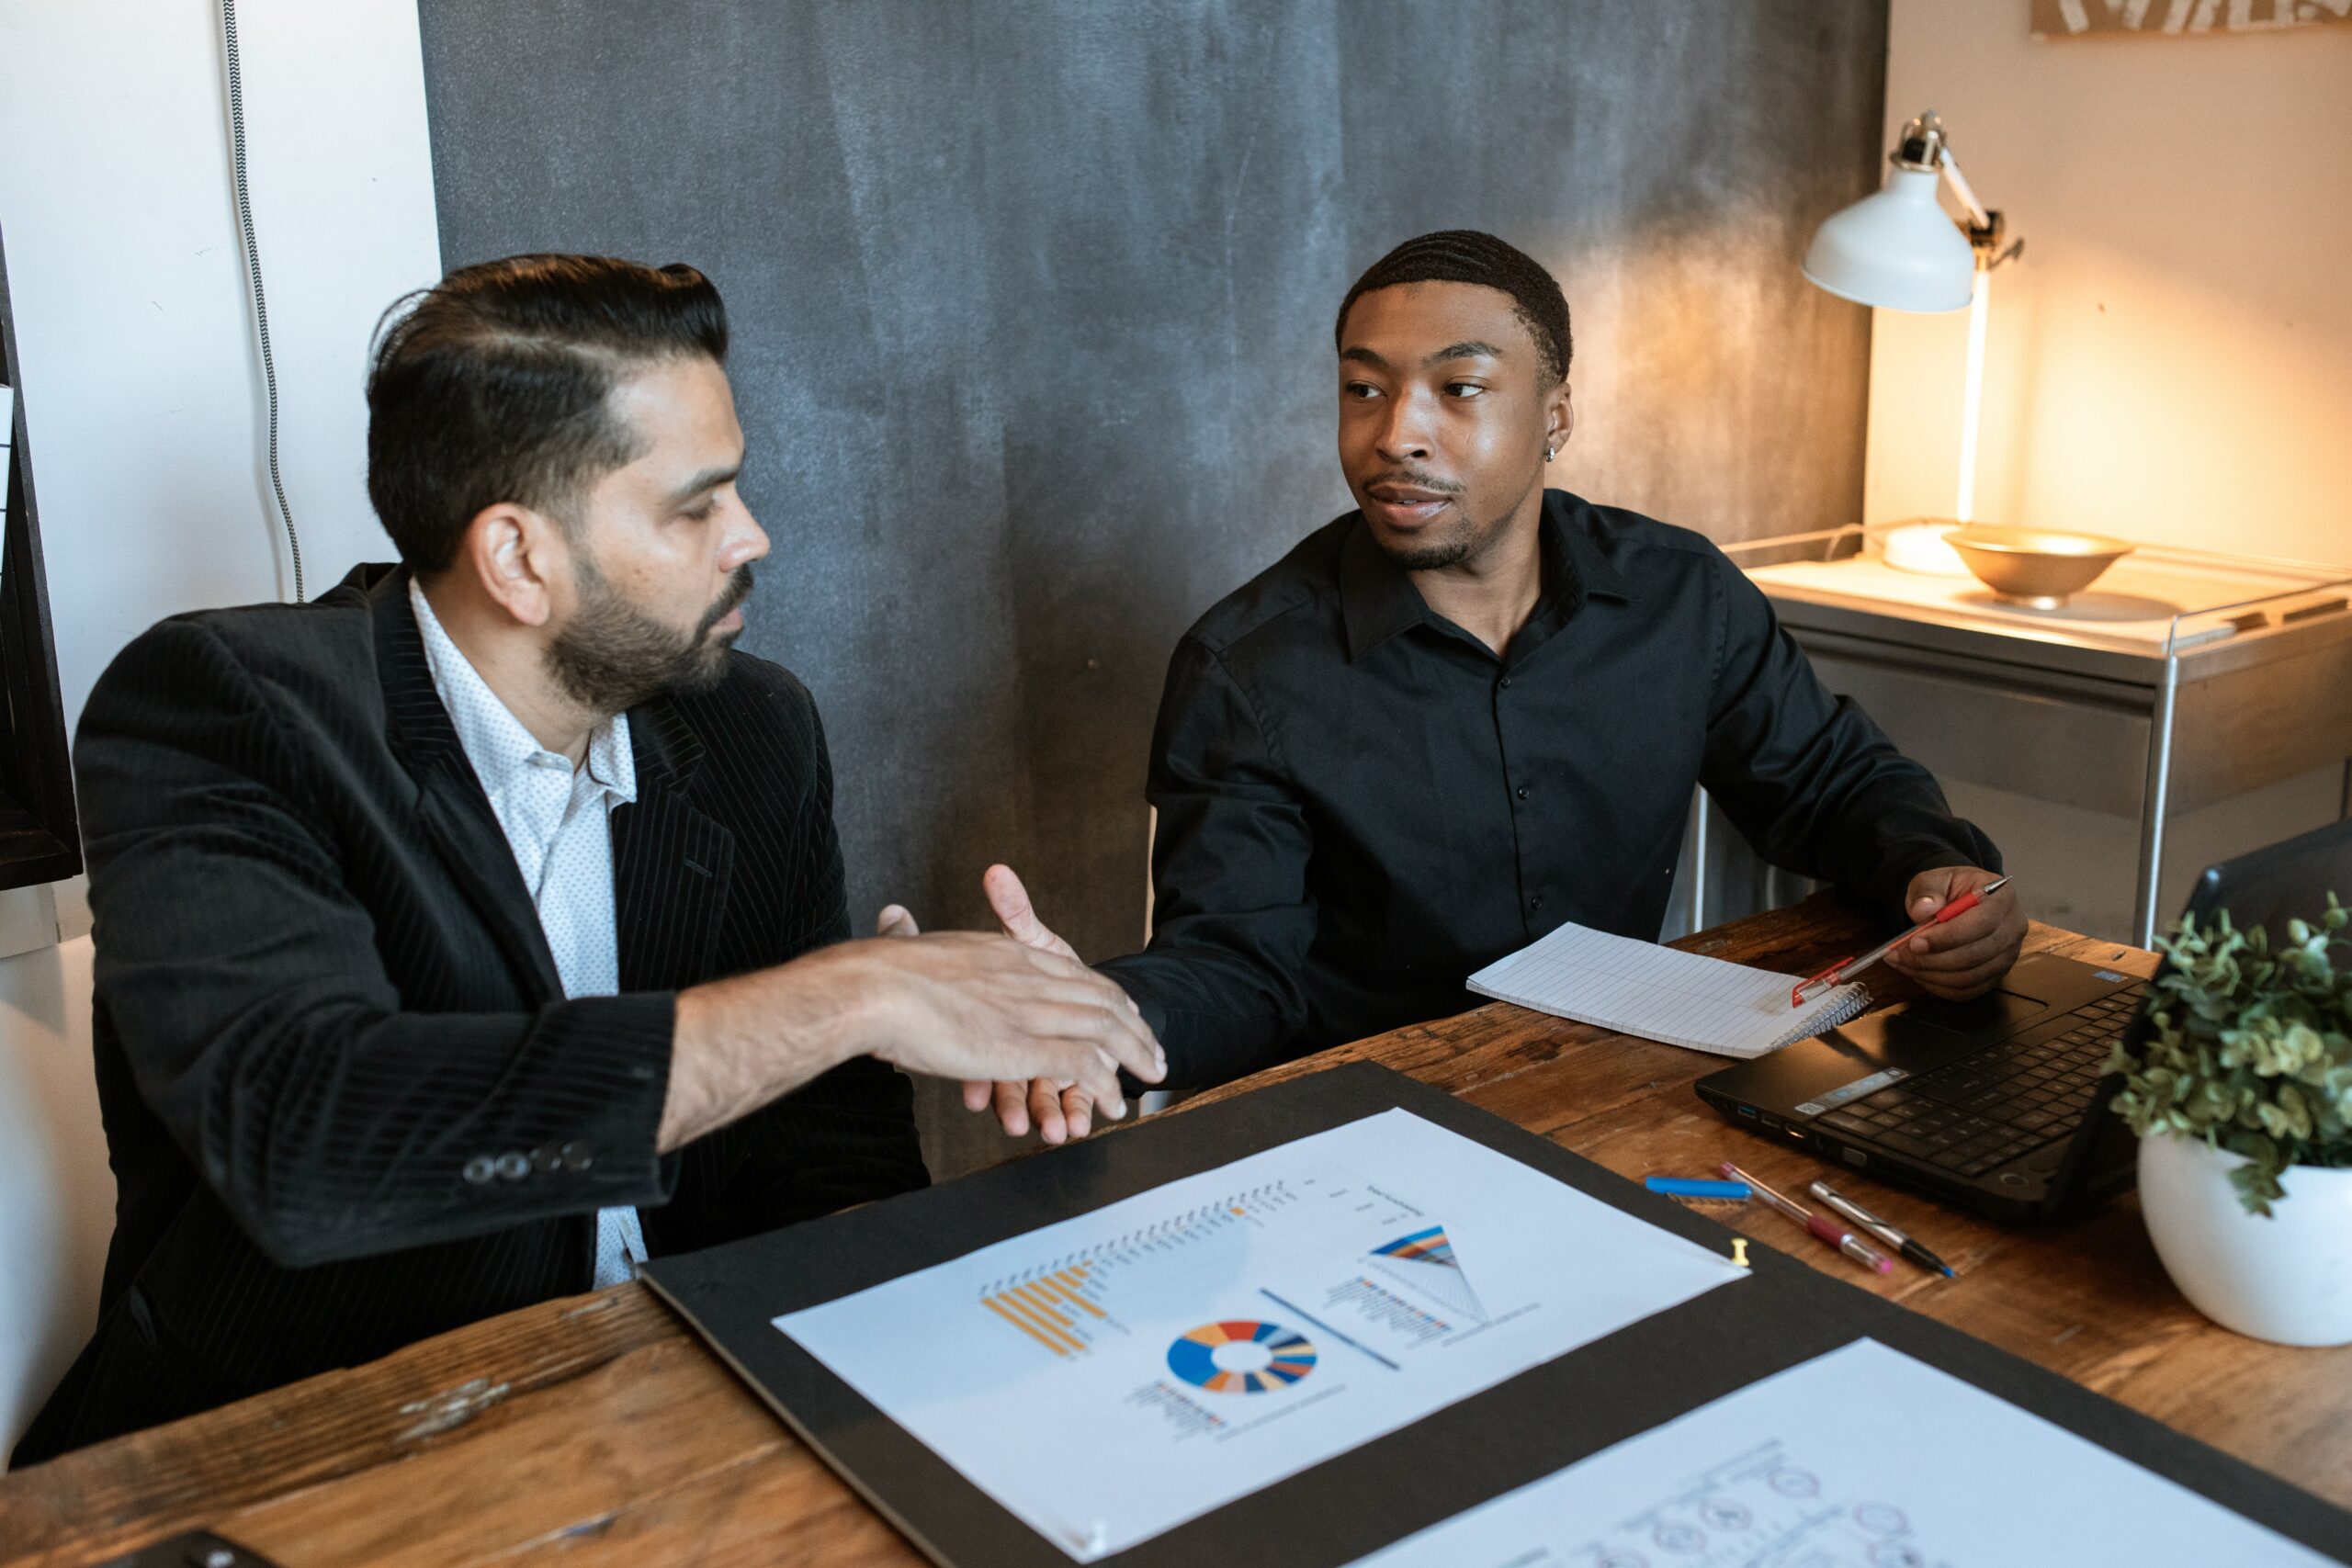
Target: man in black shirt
[(1474, 709)]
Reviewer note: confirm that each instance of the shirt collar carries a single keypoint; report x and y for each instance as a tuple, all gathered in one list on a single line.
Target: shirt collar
[(1573, 556), (495, 741), (1377, 599)]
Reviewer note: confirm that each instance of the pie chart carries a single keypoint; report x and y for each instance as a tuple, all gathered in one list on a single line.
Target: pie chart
[(1241, 1355)]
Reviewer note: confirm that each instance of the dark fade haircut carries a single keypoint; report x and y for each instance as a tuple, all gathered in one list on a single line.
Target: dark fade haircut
[(494, 384), (1465, 255)]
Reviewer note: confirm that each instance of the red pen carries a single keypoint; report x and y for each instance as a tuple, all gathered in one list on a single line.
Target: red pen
[(1822, 1225), (1838, 972)]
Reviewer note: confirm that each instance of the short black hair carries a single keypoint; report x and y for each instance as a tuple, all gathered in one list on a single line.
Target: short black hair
[(493, 386), (1465, 255)]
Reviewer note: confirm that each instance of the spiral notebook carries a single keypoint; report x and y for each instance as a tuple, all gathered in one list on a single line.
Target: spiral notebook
[(1659, 993)]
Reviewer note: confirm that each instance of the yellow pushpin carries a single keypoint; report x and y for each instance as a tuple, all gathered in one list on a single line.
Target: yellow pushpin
[(1739, 1250)]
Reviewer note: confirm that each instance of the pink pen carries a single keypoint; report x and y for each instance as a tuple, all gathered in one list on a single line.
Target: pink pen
[(1822, 1225)]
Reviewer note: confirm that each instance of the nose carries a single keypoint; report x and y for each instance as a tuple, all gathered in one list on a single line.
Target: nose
[(746, 542), (1404, 435)]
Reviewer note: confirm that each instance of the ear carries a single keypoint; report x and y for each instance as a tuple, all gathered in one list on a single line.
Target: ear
[(1559, 417), (519, 558)]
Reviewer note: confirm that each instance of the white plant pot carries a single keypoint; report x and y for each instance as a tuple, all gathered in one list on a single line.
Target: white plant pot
[(2286, 1279)]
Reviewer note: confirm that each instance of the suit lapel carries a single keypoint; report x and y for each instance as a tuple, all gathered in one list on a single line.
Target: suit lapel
[(672, 862), (450, 805), (465, 832)]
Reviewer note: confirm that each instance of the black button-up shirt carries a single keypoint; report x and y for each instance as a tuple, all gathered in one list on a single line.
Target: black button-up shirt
[(1360, 805)]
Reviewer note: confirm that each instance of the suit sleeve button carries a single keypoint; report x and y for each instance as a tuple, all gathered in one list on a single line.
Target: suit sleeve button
[(575, 1157), (480, 1168), (543, 1159), (513, 1164)]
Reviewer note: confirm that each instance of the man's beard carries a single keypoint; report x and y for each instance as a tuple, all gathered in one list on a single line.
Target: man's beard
[(612, 656)]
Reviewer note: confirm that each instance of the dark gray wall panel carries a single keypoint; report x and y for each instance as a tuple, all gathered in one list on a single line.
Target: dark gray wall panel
[(1033, 305)]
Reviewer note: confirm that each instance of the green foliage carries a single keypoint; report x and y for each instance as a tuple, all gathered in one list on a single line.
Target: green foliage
[(2252, 1049)]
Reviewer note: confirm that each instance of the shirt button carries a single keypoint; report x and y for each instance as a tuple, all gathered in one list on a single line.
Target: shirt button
[(513, 1164), (480, 1168), (1522, 791)]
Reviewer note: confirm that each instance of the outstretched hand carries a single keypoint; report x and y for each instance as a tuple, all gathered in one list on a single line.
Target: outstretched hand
[(1059, 1109), (971, 1005), (965, 1001)]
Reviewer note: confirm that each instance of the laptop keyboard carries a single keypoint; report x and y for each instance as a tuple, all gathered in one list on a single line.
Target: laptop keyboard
[(1984, 1111)]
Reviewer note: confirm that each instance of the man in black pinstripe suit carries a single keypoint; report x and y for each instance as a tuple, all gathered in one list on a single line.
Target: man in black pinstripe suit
[(480, 927)]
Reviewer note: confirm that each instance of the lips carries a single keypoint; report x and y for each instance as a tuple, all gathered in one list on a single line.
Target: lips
[(726, 617), (1405, 506)]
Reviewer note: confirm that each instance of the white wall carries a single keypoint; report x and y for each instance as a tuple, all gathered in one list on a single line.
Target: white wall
[(141, 386), (143, 403), (2171, 359)]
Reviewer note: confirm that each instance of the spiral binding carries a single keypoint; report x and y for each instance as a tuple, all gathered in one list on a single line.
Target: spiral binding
[(1852, 1002)]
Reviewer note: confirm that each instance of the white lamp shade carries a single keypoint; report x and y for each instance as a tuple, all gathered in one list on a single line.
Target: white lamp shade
[(1896, 249)]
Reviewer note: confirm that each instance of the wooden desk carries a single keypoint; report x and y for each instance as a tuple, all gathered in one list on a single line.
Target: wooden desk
[(595, 1429)]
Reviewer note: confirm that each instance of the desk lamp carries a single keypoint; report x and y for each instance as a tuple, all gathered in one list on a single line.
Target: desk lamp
[(1898, 249)]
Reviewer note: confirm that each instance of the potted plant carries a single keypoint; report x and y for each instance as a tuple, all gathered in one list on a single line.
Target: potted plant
[(2241, 1096)]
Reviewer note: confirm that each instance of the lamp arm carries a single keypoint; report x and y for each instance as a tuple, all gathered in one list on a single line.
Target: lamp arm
[(1979, 219)]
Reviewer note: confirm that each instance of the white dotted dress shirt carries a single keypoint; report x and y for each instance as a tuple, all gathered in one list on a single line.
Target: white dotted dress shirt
[(557, 820)]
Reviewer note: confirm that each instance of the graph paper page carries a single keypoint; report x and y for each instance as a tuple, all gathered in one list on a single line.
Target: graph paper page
[(1658, 993), (1111, 1376)]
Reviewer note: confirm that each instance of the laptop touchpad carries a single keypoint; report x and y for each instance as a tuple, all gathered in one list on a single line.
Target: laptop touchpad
[(1994, 1015)]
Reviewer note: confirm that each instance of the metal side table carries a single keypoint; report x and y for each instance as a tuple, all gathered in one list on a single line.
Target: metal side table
[(2180, 678)]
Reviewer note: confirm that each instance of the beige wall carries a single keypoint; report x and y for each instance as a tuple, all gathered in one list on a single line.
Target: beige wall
[(2171, 359)]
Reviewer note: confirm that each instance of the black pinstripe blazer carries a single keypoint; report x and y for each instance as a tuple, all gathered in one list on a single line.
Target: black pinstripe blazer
[(346, 1102)]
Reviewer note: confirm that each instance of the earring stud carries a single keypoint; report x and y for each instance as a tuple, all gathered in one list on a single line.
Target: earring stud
[(1548, 452)]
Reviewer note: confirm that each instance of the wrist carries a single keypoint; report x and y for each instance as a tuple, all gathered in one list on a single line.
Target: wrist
[(846, 1007), (740, 1042)]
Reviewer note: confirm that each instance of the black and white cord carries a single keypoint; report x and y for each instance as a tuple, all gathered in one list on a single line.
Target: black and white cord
[(253, 271)]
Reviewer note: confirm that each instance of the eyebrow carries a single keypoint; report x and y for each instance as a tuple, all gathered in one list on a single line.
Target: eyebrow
[(709, 478), (1470, 348)]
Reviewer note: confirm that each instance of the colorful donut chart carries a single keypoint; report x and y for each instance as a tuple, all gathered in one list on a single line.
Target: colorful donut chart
[(1193, 1356)]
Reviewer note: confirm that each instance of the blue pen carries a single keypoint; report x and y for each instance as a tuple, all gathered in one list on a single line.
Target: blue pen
[(1677, 1187)]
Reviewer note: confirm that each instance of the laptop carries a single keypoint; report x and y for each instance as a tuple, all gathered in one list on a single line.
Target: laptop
[(1998, 1104)]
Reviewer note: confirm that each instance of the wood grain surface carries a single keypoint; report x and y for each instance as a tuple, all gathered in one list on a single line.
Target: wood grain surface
[(596, 1430)]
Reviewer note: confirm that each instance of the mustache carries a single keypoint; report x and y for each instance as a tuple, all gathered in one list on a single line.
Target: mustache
[(739, 588), (1418, 481)]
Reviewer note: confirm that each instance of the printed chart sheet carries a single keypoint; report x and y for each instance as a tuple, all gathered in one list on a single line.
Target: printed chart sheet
[(1113, 1375), (1863, 1458)]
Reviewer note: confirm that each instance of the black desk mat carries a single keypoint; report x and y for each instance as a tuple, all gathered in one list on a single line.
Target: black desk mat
[(1490, 1443)]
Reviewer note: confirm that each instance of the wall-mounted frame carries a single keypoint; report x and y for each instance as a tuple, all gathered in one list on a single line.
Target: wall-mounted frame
[(2176, 18), (39, 840)]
